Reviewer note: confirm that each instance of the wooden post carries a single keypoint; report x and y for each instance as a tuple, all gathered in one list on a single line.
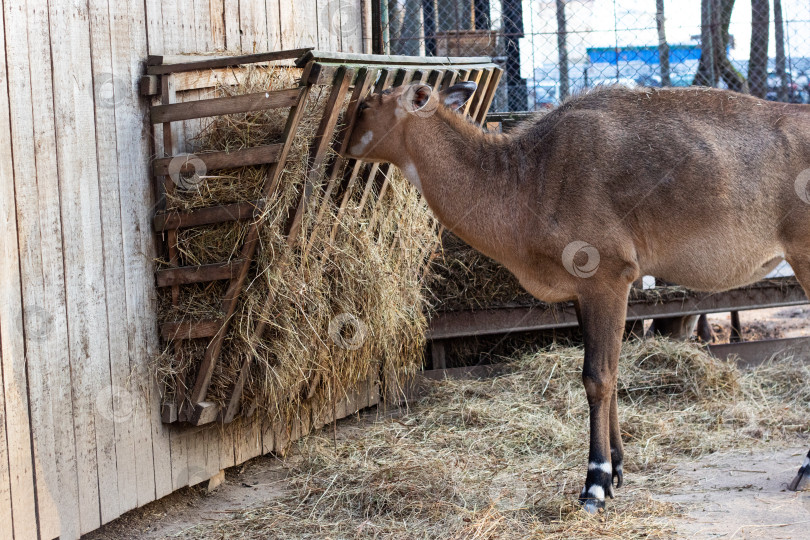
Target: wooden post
[(736, 328)]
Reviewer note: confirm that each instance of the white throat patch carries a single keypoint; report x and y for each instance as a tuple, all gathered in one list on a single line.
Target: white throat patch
[(409, 170), (365, 140)]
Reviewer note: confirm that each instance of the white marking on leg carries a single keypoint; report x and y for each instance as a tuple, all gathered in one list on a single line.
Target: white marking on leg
[(360, 147), (806, 462), (596, 492), (409, 170), (604, 467)]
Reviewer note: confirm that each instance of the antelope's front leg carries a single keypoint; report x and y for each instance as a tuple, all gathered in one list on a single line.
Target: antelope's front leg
[(603, 318)]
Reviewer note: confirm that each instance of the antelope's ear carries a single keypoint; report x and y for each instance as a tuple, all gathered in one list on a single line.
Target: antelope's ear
[(416, 96), (457, 95)]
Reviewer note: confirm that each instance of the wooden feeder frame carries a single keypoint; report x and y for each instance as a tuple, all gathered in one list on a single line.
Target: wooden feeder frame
[(347, 74)]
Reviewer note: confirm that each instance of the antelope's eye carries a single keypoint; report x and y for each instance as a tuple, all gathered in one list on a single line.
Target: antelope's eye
[(363, 106)]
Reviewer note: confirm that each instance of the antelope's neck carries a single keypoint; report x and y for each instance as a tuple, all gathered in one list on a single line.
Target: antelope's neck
[(465, 177)]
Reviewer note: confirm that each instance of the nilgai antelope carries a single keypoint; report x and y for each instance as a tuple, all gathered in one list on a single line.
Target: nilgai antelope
[(704, 188)]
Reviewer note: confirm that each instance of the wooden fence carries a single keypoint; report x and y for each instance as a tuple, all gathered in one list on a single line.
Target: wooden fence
[(81, 438)]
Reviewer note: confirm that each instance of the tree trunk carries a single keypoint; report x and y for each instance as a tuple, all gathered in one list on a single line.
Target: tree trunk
[(562, 48), (706, 74), (758, 59), (714, 63), (733, 78), (779, 36), (663, 46)]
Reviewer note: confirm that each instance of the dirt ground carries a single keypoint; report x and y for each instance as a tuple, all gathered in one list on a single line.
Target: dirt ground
[(742, 495), (737, 495), (728, 494)]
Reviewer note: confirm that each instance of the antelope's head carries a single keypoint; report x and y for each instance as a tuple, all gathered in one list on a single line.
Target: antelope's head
[(383, 119)]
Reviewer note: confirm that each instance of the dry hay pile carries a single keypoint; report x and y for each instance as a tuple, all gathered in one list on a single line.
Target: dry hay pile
[(365, 283), (505, 457), (463, 278)]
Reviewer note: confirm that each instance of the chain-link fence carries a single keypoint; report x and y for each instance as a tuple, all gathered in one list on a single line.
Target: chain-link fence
[(550, 49)]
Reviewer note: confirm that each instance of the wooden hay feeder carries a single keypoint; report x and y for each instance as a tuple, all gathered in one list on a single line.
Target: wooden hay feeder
[(348, 76)]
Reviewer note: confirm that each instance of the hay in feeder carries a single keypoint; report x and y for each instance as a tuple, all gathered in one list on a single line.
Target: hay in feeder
[(350, 308), (506, 457)]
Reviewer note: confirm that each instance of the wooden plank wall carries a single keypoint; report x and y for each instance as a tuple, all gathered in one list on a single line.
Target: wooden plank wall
[(81, 440), (247, 26)]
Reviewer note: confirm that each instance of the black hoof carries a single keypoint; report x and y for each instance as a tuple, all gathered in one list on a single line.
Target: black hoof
[(618, 476), (597, 487), (804, 472), (592, 506), (617, 458)]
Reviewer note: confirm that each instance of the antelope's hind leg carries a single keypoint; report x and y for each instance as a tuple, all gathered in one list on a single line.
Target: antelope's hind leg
[(603, 318), (799, 260), (804, 473), (616, 447)]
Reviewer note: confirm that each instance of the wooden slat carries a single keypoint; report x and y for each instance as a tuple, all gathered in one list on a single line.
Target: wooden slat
[(227, 105), (140, 278), (128, 42), (299, 23), (17, 502), (108, 91), (166, 221), (202, 25), (154, 27), (483, 85), (325, 70), (273, 15), (376, 59), (364, 81), (318, 147), (253, 26), (216, 11), (41, 267), (184, 275), (160, 64), (329, 27), (70, 45), (170, 148), (190, 330), (492, 87), (233, 41), (212, 161), (212, 352)]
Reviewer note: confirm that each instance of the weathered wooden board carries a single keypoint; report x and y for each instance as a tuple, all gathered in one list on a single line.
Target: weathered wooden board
[(17, 504), (38, 224), (227, 105), (83, 260), (113, 403), (253, 26), (129, 45)]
